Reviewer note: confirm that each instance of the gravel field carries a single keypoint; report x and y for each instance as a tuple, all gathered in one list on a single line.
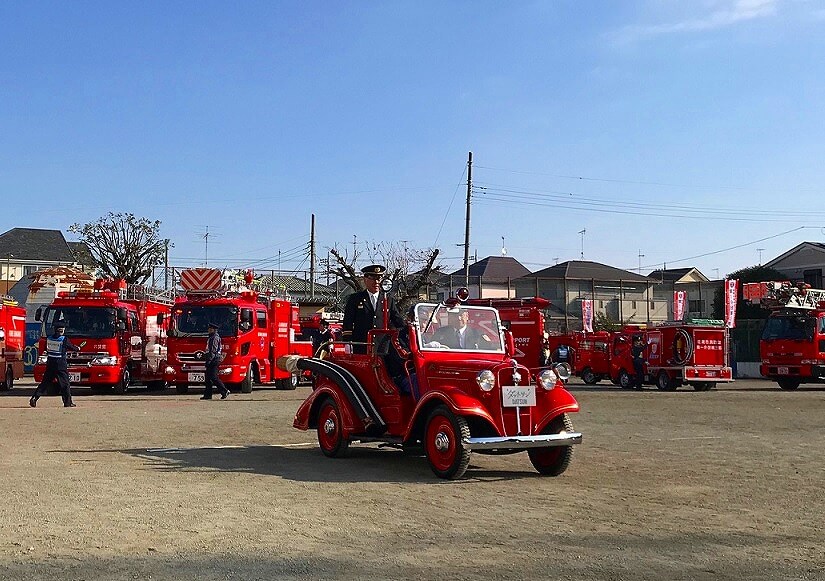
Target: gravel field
[(726, 484)]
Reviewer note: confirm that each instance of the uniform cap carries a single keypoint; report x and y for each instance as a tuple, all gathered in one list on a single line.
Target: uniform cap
[(211, 326), (60, 325), (374, 269)]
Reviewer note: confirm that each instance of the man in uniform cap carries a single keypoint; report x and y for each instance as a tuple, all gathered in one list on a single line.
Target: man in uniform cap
[(213, 357), (56, 366), (365, 309)]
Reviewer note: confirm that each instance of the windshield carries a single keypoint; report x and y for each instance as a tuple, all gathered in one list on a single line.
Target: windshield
[(462, 328), (789, 327), (190, 321), (91, 322)]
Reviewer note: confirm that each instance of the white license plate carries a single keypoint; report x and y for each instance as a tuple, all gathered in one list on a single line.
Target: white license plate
[(198, 377), (74, 377), (518, 395), (782, 370)]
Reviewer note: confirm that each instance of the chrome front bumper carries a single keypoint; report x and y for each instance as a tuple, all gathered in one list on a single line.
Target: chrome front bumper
[(523, 442)]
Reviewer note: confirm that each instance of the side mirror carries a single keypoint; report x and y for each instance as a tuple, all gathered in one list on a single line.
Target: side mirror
[(121, 325), (38, 314), (386, 285)]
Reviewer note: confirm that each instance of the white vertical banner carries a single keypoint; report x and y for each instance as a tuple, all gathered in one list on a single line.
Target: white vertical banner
[(731, 288), (587, 315), (679, 300)]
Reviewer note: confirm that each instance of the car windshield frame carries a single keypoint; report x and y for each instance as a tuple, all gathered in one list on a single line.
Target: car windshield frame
[(789, 327), (195, 319), (82, 321), (484, 321)]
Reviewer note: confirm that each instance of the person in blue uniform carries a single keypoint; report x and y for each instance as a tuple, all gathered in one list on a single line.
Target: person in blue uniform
[(57, 368), (365, 309), (213, 357)]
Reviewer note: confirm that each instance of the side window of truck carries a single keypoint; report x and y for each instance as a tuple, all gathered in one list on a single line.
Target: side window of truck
[(133, 321), (261, 318), (822, 324)]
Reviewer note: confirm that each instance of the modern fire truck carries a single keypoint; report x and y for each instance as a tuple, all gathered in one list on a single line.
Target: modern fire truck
[(792, 347), (12, 340), (255, 328), (677, 352), (119, 329)]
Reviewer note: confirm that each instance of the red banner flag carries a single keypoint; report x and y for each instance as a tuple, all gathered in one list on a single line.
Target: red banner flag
[(679, 300), (731, 296), (587, 315)]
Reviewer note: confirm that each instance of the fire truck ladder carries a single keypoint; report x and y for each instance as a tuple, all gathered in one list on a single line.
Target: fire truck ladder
[(155, 295), (785, 294)]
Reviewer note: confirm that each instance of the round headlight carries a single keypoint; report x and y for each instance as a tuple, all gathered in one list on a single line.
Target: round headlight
[(547, 379), (563, 370), (486, 380)]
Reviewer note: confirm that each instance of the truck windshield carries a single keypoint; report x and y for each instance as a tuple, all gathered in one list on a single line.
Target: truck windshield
[(91, 322), (462, 328), (800, 328), (194, 320)]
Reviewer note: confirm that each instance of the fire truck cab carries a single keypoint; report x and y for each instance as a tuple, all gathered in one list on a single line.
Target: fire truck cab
[(255, 329), (119, 329), (12, 341), (792, 346)]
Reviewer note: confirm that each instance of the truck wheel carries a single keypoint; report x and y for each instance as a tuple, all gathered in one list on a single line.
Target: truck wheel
[(788, 384), (330, 430), (624, 380), (589, 377), (664, 382), (246, 384), (289, 383), (703, 386), (181, 389), (8, 383), (443, 443), (122, 386), (555, 460)]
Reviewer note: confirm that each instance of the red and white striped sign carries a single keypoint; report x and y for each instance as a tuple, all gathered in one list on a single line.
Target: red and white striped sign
[(200, 279), (731, 295), (587, 315), (679, 300)]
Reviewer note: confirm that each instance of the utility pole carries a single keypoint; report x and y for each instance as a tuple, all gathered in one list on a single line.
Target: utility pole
[(640, 261), (354, 248), (166, 265), (582, 232), (312, 258), (467, 220), (206, 247), (759, 250)]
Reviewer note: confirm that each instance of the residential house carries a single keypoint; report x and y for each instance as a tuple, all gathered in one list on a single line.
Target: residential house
[(802, 263), (699, 288), (489, 278), (24, 251)]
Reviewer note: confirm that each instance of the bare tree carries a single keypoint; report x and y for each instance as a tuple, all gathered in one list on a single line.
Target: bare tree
[(123, 246), (408, 269)]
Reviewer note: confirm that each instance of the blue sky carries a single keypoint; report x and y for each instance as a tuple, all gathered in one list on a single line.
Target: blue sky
[(670, 129)]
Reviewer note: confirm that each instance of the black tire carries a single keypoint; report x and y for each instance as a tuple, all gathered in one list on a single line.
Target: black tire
[(664, 382), (8, 381), (246, 384), (553, 461), (289, 383), (788, 384), (444, 433), (122, 386), (624, 380), (589, 377), (181, 389), (330, 430), (703, 386)]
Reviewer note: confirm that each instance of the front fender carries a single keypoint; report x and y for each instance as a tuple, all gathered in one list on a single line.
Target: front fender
[(562, 402), (307, 414), (459, 402)]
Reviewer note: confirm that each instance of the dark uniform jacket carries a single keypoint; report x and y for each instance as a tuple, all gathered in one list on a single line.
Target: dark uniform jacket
[(449, 336), (360, 317)]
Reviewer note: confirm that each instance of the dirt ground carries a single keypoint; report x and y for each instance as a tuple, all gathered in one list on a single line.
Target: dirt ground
[(726, 484)]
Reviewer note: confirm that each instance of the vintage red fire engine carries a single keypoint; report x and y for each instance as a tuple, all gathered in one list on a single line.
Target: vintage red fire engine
[(792, 347), (414, 388), (676, 352), (255, 328), (119, 329), (12, 341)]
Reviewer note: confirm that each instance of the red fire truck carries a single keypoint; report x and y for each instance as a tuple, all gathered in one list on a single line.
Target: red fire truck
[(792, 347), (119, 329), (12, 340), (255, 328), (525, 320), (677, 352)]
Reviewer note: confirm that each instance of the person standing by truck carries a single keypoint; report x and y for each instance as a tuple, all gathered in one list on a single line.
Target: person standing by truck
[(365, 309), (213, 356), (56, 366), (638, 353)]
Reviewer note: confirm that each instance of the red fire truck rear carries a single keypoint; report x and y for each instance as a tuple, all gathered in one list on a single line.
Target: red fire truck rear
[(255, 328), (792, 347), (677, 352), (12, 340), (119, 329)]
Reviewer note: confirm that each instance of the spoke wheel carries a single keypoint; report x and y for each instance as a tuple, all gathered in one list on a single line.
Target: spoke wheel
[(589, 377), (330, 430), (443, 443), (555, 460)]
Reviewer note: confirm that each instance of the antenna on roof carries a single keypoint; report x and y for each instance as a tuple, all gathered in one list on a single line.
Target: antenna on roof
[(582, 232), (503, 248)]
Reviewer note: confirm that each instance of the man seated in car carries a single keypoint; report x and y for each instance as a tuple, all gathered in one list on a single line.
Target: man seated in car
[(458, 334)]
